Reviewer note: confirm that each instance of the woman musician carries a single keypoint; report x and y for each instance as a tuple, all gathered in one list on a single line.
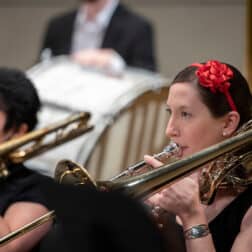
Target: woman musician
[(207, 103)]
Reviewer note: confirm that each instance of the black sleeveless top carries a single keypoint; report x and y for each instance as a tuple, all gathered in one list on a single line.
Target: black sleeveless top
[(226, 226), (21, 185)]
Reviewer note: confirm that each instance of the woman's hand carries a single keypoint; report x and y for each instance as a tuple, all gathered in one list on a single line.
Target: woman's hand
[(94, 57), (154, 199), (152, 161), (107, 60), (180, 198)]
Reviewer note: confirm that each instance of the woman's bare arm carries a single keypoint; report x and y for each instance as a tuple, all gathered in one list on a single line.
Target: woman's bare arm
[(17, 215)]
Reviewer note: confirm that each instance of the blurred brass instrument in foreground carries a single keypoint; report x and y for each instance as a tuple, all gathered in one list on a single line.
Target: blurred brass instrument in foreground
[(236, 151), (34, 143), (14, 151), (27, 228)]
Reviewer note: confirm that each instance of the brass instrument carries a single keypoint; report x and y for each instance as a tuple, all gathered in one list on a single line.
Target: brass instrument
[(34, 143), (66, 130), (152, 181), (168, 153), (232, 169), (232, 153), (26, 228)]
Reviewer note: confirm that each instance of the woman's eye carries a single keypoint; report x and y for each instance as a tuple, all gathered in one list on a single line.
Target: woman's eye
[(185, 114), (168, 110)]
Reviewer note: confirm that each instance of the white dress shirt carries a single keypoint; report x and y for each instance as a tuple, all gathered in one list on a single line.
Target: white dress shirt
[(89, 34)]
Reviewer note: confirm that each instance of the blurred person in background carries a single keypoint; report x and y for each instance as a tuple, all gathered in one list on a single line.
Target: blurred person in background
[(104, 34)]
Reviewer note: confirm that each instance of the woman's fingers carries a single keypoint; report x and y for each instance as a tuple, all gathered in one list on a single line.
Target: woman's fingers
[(152, 161)]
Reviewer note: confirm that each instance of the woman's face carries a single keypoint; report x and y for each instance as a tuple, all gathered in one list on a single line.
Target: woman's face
[(3, 134), (191, 124)]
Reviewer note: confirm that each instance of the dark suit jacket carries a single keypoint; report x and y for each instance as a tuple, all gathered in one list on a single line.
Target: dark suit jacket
[(127, 33)]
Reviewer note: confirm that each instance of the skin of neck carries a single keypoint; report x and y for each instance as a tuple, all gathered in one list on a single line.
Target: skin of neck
[(93, 8)]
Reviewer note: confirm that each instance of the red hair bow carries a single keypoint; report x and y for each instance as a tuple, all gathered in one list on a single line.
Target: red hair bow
[(215, 76)]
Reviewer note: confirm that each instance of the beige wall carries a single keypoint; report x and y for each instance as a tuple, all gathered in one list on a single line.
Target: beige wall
[(186, 31)]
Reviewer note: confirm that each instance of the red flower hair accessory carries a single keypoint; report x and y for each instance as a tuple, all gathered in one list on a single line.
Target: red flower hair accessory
[(215, 76)]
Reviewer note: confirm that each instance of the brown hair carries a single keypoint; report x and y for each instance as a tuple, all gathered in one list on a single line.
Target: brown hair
[(217, 102)]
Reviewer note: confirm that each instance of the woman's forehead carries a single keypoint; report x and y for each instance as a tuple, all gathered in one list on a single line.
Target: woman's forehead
[(182, 92)]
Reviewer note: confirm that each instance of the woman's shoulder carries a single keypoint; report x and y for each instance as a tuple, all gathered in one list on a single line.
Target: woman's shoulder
[(247, 216), (247, 220), (243, 240)]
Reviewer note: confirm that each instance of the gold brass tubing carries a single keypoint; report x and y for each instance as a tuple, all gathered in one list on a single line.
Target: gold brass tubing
[(37, 134), (27, 228), (155, 180)]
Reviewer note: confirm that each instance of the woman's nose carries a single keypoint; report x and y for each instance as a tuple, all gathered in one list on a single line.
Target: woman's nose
[(171, 129)]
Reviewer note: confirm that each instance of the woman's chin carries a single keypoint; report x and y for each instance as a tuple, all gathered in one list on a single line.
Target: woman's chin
[(184, 152)]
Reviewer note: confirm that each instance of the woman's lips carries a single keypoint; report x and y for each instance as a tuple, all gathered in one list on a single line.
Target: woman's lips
[(181, 151)]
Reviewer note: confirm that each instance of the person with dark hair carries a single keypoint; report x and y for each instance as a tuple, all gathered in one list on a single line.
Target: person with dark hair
[(21, 198), (207, 103), (103, 34), (19, 100), (86, 219)]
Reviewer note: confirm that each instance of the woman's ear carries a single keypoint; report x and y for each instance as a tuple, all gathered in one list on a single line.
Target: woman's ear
[(232, 120), (22, 129)]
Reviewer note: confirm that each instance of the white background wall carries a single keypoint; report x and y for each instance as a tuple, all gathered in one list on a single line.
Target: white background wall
[(186, 30)]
